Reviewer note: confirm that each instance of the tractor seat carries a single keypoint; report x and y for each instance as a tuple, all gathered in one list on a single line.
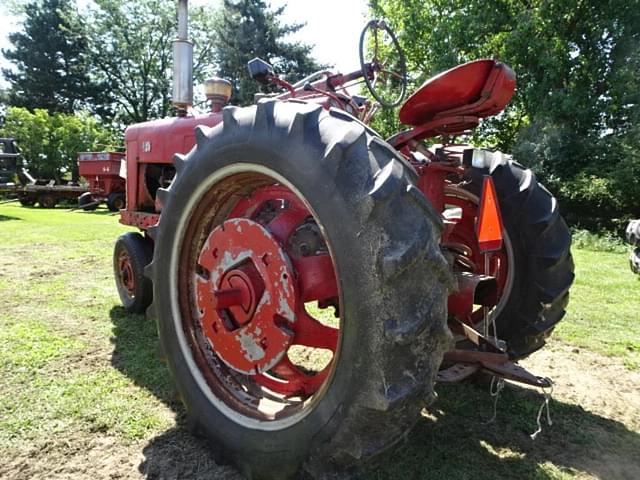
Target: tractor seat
[(479, 89)]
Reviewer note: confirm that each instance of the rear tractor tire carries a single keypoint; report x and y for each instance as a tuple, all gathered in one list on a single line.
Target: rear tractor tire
[(537, 254), (131, 254), (284, 204)]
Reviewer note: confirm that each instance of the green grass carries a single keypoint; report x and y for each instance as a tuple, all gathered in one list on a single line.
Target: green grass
[(58, 326), (74, 367), (604, 310)]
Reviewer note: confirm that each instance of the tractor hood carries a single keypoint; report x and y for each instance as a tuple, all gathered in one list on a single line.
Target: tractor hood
[(158, 140)]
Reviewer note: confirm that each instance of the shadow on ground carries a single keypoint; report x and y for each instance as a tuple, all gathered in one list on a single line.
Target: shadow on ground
[(5, 218), (451, 441), (101, 211)]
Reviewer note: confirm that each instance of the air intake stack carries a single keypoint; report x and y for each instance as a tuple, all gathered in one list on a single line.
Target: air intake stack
[(182, 62)]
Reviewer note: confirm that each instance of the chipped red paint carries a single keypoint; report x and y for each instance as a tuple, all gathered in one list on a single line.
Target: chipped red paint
[(142, 220), (256, 343), (125, 272), (313, 279)]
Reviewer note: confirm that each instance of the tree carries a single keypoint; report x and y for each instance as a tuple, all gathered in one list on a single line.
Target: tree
[(49, 57), (574, 116), (50, 143), (246, 29), (131, 50)]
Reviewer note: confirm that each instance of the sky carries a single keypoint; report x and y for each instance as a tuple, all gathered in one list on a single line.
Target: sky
[(333, 27)]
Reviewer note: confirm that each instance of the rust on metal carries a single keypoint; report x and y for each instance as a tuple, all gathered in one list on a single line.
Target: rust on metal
[(473, 356), (456, 373), (473, 289), (516, 373), (238, 281)]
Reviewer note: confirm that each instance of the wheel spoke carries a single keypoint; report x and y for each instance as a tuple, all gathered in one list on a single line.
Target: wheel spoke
[(392, 73), (283, 225), (309, 332), (287, 370), (316, 277), (292, 381)]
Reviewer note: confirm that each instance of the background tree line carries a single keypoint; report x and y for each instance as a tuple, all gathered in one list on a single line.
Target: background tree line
[(575, 116), (110, 65)]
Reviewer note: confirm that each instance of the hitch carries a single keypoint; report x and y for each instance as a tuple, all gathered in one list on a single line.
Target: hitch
[(490, 357)]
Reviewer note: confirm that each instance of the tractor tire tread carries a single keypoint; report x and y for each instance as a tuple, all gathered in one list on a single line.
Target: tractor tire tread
[(404, 244), (140, 254), (542, 247)]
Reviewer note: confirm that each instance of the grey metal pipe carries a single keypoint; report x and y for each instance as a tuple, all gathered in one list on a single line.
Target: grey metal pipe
[(183, 62), (183, 20)]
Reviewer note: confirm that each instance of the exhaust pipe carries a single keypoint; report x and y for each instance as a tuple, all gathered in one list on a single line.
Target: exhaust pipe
[(182, 62)]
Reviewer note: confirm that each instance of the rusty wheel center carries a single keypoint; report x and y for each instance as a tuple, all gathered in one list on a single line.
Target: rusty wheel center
[(246, 296), (126, 273)]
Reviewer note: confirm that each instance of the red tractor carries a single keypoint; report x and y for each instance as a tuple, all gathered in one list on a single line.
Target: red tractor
[(307, 276)]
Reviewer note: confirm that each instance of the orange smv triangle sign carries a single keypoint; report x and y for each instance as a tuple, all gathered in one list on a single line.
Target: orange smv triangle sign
[(489, 227)]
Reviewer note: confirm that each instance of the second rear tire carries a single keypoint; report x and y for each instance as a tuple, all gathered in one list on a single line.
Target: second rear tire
[(542, 268)]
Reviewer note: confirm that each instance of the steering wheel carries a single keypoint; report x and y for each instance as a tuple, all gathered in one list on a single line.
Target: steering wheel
[(386, 72)]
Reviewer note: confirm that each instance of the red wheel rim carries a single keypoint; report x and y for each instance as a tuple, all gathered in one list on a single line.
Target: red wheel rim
[(250, 242), (464, 242), (125, 274)]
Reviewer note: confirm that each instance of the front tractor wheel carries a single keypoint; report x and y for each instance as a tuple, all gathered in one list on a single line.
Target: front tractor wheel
[(131, 254), (299, 290)]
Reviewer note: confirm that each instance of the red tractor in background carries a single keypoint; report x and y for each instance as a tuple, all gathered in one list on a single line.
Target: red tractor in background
[(307, 276), (105, 184)]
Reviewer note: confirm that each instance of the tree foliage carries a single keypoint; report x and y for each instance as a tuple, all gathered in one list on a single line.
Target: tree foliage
[(50, 142), (116, 55), (131, 51), (575, 114), (246, 29), (49, 55)]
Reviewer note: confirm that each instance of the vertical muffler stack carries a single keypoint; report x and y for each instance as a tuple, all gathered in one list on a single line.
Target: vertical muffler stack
[(182, 62)]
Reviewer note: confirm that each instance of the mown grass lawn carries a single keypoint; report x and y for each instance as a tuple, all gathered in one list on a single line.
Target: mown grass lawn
[(83, 394)]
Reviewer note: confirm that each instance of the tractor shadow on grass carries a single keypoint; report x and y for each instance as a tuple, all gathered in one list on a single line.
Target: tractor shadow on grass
[(454, 441), (175, 453), (450, 441)]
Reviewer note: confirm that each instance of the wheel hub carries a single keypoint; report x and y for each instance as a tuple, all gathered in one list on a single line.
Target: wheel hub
[(245, 293), (126, 273)]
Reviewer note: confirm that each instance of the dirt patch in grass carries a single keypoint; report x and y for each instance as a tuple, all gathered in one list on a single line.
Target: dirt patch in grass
[(174, 455), (601, 385)]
